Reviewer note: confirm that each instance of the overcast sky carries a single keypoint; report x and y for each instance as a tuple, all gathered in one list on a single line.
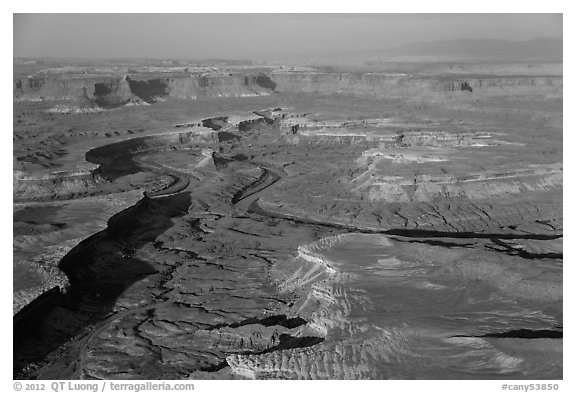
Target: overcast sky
[(257, 36)]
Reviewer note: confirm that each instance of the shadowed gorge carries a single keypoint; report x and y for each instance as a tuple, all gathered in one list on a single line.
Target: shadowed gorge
[(99, 270)]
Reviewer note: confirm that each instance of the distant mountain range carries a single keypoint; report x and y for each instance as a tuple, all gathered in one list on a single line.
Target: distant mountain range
[(538, 49)]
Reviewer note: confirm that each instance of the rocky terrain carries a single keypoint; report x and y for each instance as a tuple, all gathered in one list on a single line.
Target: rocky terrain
[(266, 222)]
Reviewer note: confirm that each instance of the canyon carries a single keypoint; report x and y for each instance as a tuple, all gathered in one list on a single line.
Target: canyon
[(265, 222)]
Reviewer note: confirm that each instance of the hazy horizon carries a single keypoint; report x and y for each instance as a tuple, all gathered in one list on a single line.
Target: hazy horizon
[(258, 36)]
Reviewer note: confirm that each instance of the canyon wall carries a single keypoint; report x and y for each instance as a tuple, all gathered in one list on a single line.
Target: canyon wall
[(65, 184), (404, 84), (180, 140), (110, 92), (58, 184)]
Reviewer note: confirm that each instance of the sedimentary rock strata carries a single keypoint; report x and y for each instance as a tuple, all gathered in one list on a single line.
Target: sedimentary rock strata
[(272, 230)]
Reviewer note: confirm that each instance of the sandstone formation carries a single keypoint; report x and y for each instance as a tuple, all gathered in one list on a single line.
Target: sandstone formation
[(267, 223)]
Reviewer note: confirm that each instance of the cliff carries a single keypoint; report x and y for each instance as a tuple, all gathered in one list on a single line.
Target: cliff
[(54, 185), (110, 92), (156, 142), (383, 84)]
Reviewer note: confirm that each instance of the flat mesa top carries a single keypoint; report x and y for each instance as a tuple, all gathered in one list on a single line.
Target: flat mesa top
[(243, 220)]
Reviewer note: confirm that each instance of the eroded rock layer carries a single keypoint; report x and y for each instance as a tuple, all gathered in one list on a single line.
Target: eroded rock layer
[(302, 237)]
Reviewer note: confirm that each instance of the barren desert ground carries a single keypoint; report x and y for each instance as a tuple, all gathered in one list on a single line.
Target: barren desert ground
[(237, 221)]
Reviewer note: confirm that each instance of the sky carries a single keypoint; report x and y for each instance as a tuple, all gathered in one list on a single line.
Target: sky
[(257, 36)]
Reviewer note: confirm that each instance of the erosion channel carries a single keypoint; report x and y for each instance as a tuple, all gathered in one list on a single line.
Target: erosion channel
[(270, 222), (199, 279)]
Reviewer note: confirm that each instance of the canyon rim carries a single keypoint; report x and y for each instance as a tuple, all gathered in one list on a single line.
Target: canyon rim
[(386, 214)]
